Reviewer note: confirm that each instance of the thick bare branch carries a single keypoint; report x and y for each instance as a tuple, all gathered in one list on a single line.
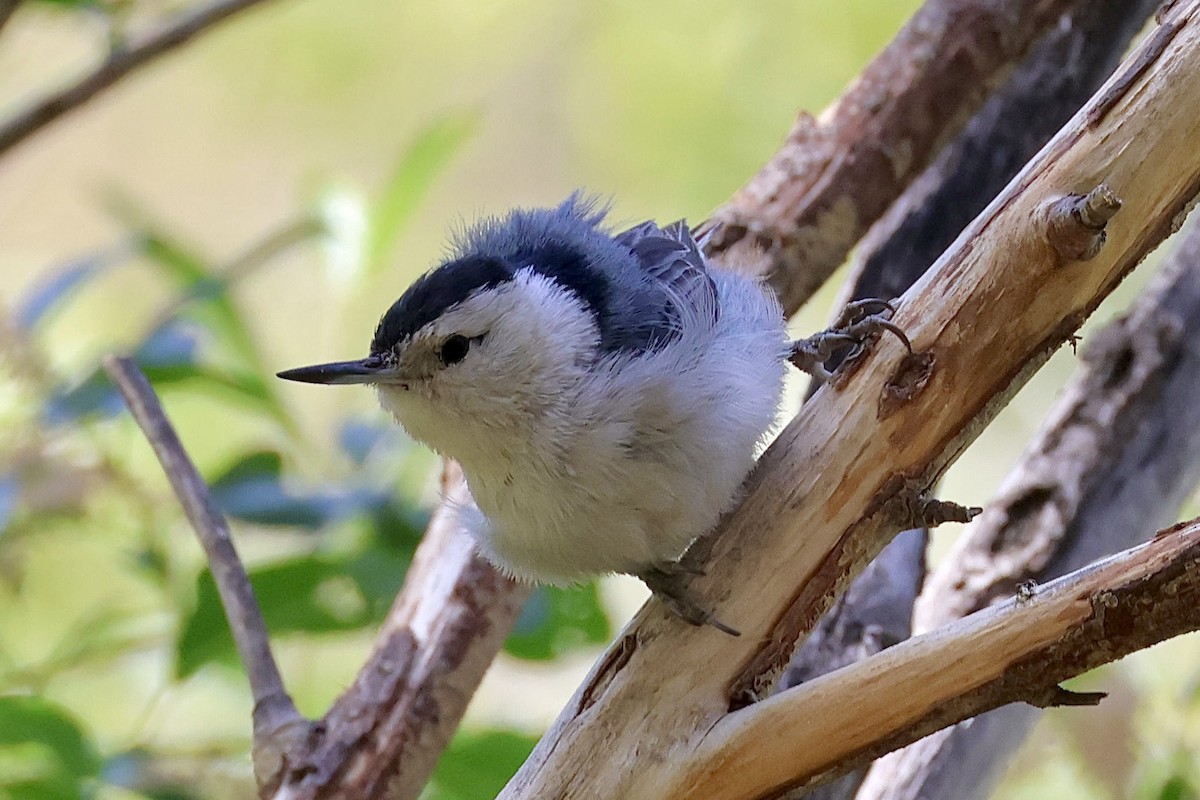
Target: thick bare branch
[(119, 64), (276, 721), (850, 469), (1057, 78), (1014, 652), (835, 175), (1114, 462), (463, 570)]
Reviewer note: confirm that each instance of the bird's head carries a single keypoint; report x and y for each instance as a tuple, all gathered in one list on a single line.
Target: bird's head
[(482, 346)]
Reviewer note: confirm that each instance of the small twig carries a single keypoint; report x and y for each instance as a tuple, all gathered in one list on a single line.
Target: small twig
[(275, 715), (1058, 697), (1075, 224), (119, 64), (929, 512)]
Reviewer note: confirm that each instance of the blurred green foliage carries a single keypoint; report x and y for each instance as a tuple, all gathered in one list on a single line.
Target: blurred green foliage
[(360, 532), (359, 529), (57, 761)]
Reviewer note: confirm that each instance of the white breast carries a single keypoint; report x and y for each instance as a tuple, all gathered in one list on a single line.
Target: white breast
[(634, 461)]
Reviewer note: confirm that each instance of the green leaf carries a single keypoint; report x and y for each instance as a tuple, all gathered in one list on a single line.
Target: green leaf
[(205, 298), (379, 573), (49, 787), (291, 597), (311, 594), (258, 463), (476, 766), (211, 303), (555, 621), (414, 175), (251, 489), (46, 753)]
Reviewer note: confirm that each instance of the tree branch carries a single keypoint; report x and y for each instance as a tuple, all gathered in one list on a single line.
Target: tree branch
[(1056, 79), (1115, 460), (1013, 652), (834, 176), (874, 614), (848, 472), (276, 720), (119, 64), (462, 572)]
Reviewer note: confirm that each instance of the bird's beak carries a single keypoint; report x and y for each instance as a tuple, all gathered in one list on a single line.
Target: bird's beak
[(367, 370)]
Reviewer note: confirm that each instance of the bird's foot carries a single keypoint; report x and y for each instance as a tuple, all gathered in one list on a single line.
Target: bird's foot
[(859, 322), (668, 582)]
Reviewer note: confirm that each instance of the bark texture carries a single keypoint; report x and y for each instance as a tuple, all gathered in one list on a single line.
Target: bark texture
[(835, 175), (1114, 463), (1016, 651), (1063, 70)]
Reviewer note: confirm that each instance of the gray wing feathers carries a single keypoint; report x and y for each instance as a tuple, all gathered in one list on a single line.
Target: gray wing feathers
[(671, 258)]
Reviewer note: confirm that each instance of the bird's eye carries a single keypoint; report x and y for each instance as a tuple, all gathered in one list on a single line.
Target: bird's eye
[(454, 349)]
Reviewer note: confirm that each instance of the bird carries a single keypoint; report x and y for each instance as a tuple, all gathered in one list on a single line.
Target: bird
[(605, 393)]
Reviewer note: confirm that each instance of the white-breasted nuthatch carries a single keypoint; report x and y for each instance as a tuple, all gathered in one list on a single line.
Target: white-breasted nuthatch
[(604, 394)]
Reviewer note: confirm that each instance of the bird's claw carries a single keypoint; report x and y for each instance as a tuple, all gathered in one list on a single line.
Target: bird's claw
[(858, 322), (667, 583)]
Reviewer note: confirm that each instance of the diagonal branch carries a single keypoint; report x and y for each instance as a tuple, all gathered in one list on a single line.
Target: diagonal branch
[(835, 175), (1055, 80), (473, 643), (276, 720), (1014, 652), (849, 471), (119, 64), (470, 643), (1115, 460)]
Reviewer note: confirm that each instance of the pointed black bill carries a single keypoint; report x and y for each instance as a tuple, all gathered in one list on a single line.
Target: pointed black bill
[(366, 370)]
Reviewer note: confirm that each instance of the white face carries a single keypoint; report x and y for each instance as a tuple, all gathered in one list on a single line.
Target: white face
[(527, 343)]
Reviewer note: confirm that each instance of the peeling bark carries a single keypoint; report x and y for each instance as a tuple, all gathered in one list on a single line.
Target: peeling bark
[(1060, 74), (1017, 651), (1113, 463)]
